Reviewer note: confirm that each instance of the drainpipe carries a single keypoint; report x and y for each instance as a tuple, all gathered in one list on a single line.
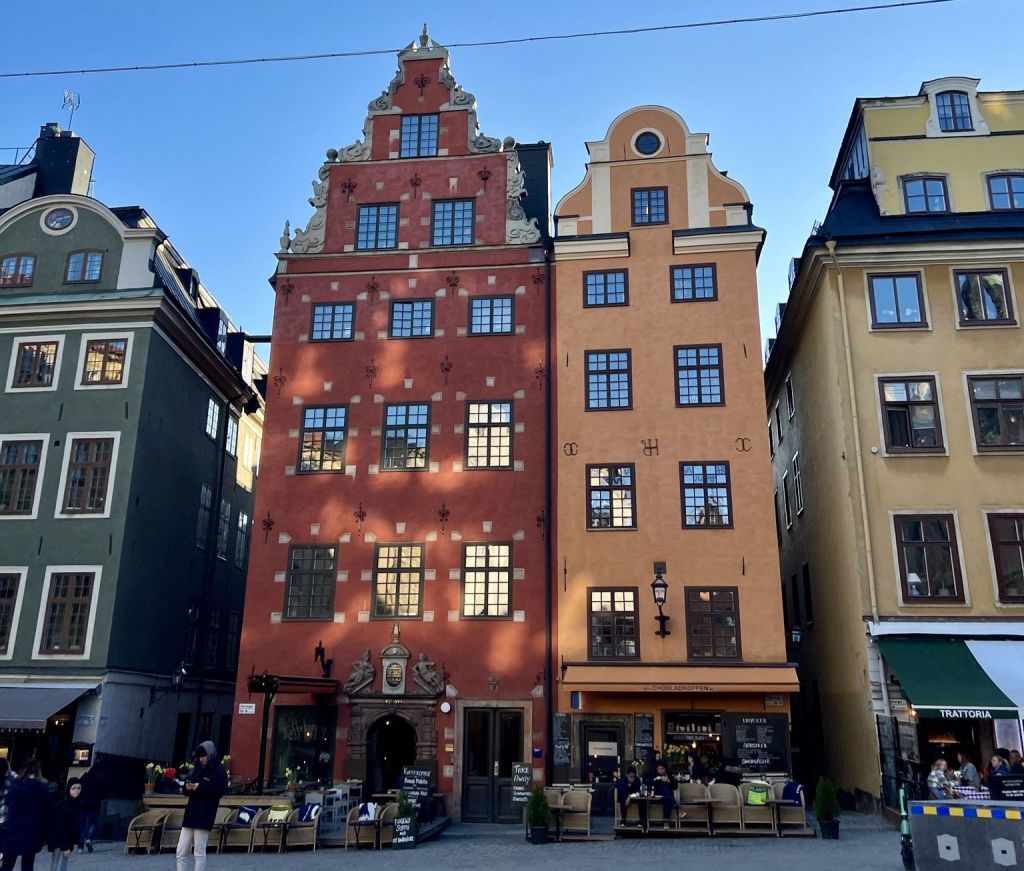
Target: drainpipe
[(549, 670), (857, 451)]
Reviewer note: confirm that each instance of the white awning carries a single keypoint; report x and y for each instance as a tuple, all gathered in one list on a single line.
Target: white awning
[(1003, 661)]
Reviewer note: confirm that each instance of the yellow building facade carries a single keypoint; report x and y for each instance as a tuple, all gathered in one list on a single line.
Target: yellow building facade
[(662, 478), (895, 414)]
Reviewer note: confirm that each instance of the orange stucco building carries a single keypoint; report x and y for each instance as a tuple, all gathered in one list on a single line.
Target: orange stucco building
[(662, 465)]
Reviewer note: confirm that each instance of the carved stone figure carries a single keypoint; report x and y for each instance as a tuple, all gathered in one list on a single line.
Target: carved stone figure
[(363, 673), (286, 237), (425, 674), (311, 240)]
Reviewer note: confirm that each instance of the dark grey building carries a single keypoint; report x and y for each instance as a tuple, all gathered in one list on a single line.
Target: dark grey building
[(130, 429)]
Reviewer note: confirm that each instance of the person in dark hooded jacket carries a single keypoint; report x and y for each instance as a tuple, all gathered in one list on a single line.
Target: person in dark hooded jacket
[(65, 826), (206, 783), (28, 811)]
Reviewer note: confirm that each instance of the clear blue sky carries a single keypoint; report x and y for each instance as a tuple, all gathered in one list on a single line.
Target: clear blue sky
[(220, 157)]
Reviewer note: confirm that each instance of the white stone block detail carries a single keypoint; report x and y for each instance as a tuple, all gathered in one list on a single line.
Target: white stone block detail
[(334, 284), (314, 529), (350, 471), (293, 433), (440, 293), (275, 616), (382, 335), (519, 394), (518, 616), (364, 617), (459, 428), (350, 248), (303, 337), (439, 333), (492, 279), (432, 535), (460, 396), (435, 429), (456, 465), (436, 397), (359, 335), (489, 380), (403, 246), (349, 225), (414, 262), (297, 400), (454, 574), (306, 297), (339, 616), (518, 466), (520, 426), (283, 538), (428, 616), (362, 295), (518, 574), (372, 470), (384, 295), (289, 470), (461, 331), (378, 398), (463, 291), (425, 222), (279, 577), (521, 290), (380, 185), (456, 535), (519, 535), (487, 525), (369, 537), (403, 222), (341, 577), (430, 574), (366, 575), (520, 329), (355, 399), (435, 468), (345, 537), (400, 528), (453, 616), (374, 431), (328, 386), (353, 432), (407, 382)]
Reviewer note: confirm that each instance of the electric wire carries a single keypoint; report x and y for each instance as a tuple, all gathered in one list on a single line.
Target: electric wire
[(693, 25)]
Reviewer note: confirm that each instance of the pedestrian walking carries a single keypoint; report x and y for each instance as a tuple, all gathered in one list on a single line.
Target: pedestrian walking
[(65, 826), (206, 783), (94, 789), (28, 811)]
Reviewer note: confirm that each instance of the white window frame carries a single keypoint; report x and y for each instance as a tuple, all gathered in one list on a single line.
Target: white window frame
[(242, 529), (965, 377), (787, 507), (212, 405), (59, 338), (903, 603), (790, 396), (44, 437), (93, 608), (883, 445), (798, 486), (231, 437), (22, 572), (985, 514), (1004, 267), (69, 439), (922, 283), (80, 371)]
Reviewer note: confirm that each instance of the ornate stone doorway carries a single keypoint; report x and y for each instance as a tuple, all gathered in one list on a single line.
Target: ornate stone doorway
[(390, 746)]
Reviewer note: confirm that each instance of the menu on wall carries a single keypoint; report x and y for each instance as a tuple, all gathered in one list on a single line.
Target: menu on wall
[(417, 785), (561, 741), (759, 741), (522, 777), (643, 736), (1008, 787)]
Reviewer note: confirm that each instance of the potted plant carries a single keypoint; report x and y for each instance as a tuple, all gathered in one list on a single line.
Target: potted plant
[(153, 771), (538, 814), (826, 809), (291, 777)]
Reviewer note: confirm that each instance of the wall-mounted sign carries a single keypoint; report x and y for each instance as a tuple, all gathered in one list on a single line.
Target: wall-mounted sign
[(247, 707), (774, 700), (522, 776)]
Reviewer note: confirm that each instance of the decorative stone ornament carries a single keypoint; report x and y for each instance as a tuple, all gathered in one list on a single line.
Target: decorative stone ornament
[(394, 660), (362, 674)]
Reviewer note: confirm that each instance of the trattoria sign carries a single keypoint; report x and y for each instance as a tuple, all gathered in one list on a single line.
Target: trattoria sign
[(942, 713)]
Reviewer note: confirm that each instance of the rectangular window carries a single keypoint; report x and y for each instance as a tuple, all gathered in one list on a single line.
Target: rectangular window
[(705, 489), (1007, 533), (984, 298), (798, 486), (223, 528), (808, 602), (771, 441), (699, 375), (35, 366), (310, 583), (9, 584), (650, 205), (322, 439), (19, 473), (694, 283), (613, 624), (486, 580), (213, 637), (790, 398), (997, 405), (84, 266), (489, 435), (896, 301), (954, 111), (491, 316), (605, 288), (923, 194), (222, 336), (203, 518), (608, 380), (778, 519), (419, 136), (453, 222), (910, 415), (611, 497), (406, 430), (234, 633), (212, 418), (778, 421), (88, 474), (413, 319), (333, 323), (231, 444), (712, 623), (17, 270), (928, 557), (398, 580), (66, 619), (377, 227), (1006, 191), (104, 361), (242, 539), (785, 501)]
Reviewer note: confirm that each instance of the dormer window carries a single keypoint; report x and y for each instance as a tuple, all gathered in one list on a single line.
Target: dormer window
[(1006, 191), (17, 269), (84, 266), (925, 194), (954, 112), (419, 136)]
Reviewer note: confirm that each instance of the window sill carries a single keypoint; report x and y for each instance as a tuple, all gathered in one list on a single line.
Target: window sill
[(894, 328), (611, 529), (915, 452), (981, 325)]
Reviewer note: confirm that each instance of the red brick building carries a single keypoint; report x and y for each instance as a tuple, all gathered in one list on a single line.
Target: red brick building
[(403, 490)]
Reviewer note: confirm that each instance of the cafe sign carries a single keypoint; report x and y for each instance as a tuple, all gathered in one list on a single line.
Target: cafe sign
[(965, 714)]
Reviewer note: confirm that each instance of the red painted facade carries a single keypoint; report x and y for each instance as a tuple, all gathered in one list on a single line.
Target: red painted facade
[(491, 664)]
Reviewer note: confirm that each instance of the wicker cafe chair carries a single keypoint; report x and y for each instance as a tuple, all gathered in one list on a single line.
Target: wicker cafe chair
[(302, 834), (632, 818), (576, 812), (755, 816), (358, 835), (790, 815), (141, 831), (727, 814), (236, 834), (266, 835), (692, 798), (387, 817), (171, 830), (224, 817)]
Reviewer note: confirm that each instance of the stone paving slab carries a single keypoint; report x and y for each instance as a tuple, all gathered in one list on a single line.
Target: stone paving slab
[(865, 845)]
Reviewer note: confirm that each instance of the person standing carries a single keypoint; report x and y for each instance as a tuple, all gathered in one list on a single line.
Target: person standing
[(939, 787), (93, 792), (28, 810), (65, 826), (968, 772), (206, 783)]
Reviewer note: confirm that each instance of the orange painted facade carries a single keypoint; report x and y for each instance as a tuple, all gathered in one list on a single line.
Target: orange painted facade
[(612, 666)]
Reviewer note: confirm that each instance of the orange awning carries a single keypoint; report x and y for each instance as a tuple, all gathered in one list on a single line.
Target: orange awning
[(680, 679)]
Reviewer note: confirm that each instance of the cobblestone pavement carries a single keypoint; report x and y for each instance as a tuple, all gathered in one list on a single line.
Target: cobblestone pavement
[(866, 844)]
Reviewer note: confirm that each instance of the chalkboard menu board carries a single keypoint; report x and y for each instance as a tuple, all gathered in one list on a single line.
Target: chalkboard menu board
[(759, 741), (1008, 787), (522, 777), (405, 833), (643, 736), (417, 785), (561, 742)]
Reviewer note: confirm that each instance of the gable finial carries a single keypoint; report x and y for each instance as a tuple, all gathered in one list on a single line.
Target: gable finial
[(424, 37)]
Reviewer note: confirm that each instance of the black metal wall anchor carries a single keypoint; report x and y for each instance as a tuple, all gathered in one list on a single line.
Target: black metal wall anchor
[(442, 515), (538, 280), (348, 187), (268, 525), (360, 515), (415, 183), (446, 367), (371, 372), (452, 280), (421, 82), (542, 523), (483, 175), (280, 379), (540, 373), (286, 289), (372, 287)]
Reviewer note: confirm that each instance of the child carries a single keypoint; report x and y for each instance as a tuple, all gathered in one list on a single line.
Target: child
[(65, 826)]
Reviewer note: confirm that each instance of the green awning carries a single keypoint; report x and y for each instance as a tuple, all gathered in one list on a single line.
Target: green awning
[(941, 679)]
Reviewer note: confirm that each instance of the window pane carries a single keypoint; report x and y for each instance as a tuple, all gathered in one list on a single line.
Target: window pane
[(693, 283), (332, 322)]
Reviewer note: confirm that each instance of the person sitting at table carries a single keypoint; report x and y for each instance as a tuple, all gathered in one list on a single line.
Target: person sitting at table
[(625, 788), (698, 770), (968, 773), (939, 787), (1016, 763), (664, 786), (998, 766)]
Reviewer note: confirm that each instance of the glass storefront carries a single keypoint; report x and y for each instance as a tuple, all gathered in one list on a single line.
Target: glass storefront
[(303, 742)]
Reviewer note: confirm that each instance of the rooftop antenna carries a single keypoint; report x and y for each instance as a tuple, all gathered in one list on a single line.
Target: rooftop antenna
[(71, 103)]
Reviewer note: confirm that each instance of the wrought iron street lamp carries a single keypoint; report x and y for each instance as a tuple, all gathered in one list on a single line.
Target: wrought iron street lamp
[(659, 587)]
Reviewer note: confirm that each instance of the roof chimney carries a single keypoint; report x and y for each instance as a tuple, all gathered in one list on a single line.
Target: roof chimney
[(64, 162)]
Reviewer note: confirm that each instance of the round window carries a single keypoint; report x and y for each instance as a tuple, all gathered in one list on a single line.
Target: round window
[(647, 142), (59, 219), (393, 675)]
